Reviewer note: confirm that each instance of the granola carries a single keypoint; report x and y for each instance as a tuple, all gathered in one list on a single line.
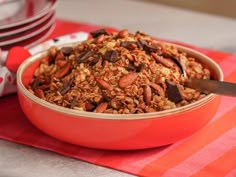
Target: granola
[(118, 73)]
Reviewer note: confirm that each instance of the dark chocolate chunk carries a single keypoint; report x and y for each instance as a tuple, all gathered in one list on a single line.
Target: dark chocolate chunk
[(64, 89), (73, 102), (94, 60), (173, 92), (97, 33), (131, 45), (84, 56), (66, 86), (111, 56), (140, 67), (150, 48), (67, 50), (36, 83), (141, 43), (147, 47), (43, 87), (131, 67), (105, 97)]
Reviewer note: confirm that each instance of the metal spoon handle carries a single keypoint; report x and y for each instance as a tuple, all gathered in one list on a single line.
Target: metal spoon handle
[(212, 86)]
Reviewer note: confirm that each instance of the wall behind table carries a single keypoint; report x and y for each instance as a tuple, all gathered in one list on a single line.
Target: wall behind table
[(219, 7)]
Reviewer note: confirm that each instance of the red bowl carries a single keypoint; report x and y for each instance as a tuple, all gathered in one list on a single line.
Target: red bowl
[(116, 131)]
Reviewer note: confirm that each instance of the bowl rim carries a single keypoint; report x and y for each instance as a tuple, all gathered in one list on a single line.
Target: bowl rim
[(71, 112)]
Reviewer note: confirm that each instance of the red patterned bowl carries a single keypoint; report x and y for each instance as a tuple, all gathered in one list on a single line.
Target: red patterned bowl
[(116, 131)]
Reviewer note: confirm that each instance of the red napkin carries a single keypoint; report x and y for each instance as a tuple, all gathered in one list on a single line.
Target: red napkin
[(209, 152)]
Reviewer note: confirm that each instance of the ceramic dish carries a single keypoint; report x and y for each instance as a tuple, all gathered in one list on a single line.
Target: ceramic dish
[(25, 27), (32, 41), (27, 34), (116, 131), (25, 11)]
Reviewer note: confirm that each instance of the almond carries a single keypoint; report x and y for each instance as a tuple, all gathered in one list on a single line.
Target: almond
[(147, 93), (127, 80), (63, 71), (123, 33), (101, 107), (158, 88), (166, 62), (102, 83)]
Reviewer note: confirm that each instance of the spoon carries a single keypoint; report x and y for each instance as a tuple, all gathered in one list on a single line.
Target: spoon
[(208, 86), (212, 86)]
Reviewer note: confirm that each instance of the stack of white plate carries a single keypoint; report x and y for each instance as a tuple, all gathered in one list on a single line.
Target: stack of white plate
[(25, 22)]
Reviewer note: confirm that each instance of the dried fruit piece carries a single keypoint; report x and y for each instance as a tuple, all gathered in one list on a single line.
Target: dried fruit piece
[(63, 71), (101, 107), (59, 56), (97, 33), (39, 93), (158, 88), (173, 92), (60, 63), (89, 106), (127, 80), (102, 83), (111, 55), (147, 93)]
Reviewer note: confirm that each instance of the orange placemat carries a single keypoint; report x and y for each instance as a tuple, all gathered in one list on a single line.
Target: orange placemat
[(209, 152)]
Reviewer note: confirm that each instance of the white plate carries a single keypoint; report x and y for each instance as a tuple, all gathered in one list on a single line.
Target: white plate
[(27, 34), (23, 11), (40, 44), (27, 43), (25, 27), (41, 38)]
